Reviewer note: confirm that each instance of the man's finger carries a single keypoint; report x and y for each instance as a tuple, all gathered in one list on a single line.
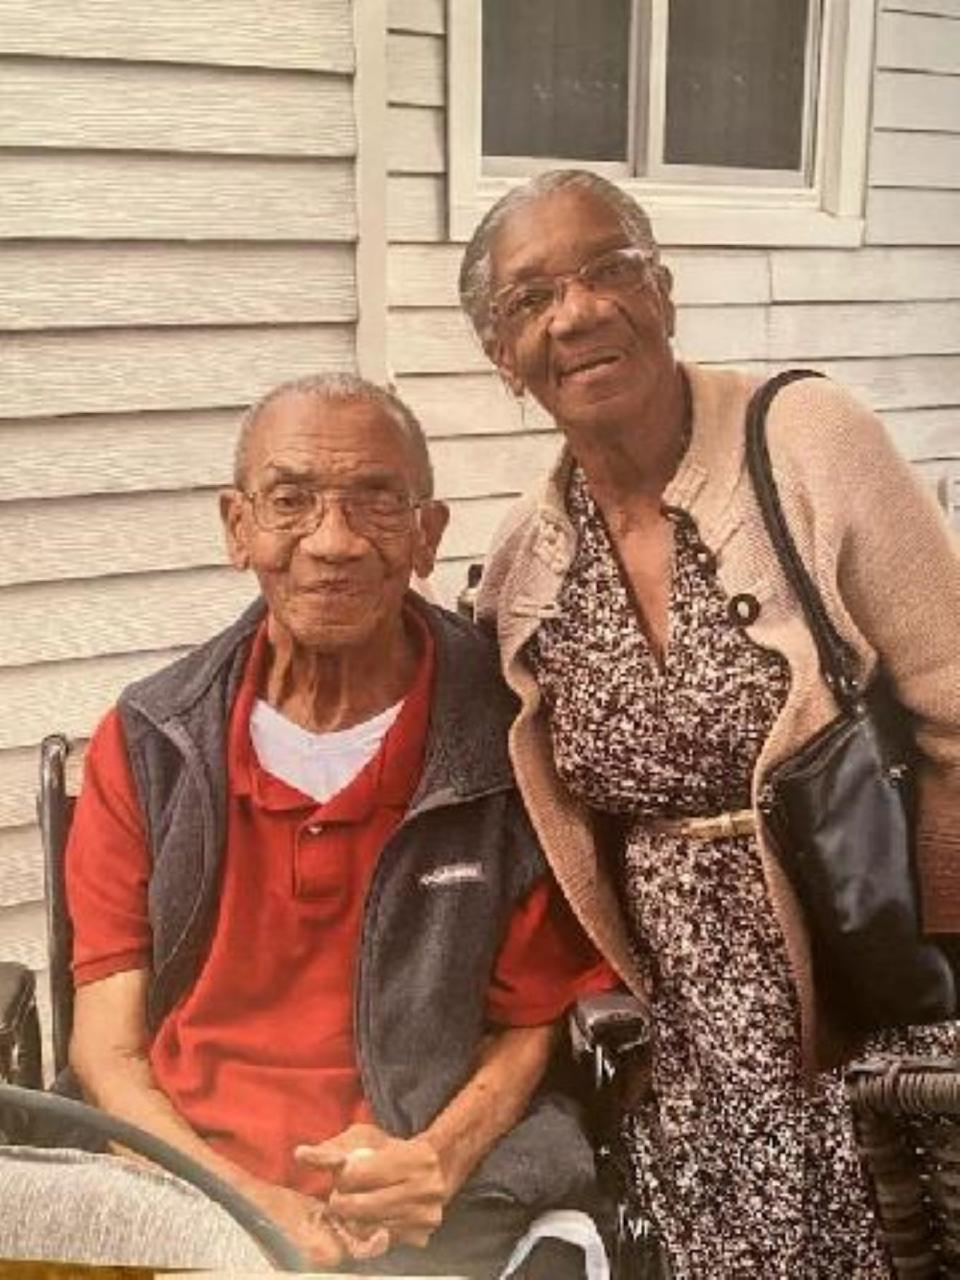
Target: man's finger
[(359, 1244), (329, 1155), (419, 1237), (421, 1206)]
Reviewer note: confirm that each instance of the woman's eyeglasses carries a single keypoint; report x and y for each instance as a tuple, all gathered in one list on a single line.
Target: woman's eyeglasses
[(611, 274)]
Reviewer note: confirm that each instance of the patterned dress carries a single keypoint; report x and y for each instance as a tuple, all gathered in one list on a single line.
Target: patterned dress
[(744, 1172)]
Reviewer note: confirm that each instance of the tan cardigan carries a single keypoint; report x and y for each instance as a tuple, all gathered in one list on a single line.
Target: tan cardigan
[(888, 570)]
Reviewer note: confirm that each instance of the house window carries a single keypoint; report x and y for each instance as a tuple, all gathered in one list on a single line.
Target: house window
[(715, 90), (733, 121)]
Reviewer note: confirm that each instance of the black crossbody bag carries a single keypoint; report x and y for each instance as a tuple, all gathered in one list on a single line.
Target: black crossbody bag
[(841, 812)]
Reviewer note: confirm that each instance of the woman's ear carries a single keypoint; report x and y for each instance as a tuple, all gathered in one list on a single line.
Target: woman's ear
[(501, 357), (665, 293)]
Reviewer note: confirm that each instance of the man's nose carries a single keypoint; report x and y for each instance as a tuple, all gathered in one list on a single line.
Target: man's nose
[(332, 537)]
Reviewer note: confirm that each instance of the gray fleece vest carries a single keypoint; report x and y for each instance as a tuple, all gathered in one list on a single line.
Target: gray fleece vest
[(437, 909)]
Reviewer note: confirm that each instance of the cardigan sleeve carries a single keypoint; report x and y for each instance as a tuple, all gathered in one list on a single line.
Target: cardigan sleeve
[(499, 559), (898, 576)]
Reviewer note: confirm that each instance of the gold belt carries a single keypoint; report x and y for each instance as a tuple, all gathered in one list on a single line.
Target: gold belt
[(719, 826)]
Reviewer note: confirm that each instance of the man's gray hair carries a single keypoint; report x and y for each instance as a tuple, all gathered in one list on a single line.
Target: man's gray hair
[(340, 388), (476, 269)]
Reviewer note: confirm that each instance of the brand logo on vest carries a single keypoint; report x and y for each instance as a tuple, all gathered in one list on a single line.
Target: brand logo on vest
[(453, 873)]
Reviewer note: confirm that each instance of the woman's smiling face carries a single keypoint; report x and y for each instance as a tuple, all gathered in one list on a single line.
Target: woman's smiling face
[(592, 356)]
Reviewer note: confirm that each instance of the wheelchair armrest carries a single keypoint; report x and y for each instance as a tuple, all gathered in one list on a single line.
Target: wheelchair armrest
[(19, 1027), (609, 1044), (608, 1026)]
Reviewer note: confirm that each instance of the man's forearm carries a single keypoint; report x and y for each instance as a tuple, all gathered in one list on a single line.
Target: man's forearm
[(123, 1085), (109, 1052), (511, 1065)]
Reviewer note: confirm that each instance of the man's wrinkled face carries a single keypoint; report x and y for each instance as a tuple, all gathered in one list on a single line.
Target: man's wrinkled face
[(341, 583)]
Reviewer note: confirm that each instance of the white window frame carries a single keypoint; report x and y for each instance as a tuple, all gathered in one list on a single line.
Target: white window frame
[(829, 212)]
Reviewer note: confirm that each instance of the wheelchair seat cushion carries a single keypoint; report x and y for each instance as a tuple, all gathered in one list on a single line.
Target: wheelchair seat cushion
[(75, 1206)]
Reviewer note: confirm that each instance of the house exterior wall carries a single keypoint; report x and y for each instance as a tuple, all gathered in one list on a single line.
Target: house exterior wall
[(177, 233)]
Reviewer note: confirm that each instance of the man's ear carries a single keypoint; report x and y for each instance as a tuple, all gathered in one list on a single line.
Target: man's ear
[(431, 522), (234, 528)]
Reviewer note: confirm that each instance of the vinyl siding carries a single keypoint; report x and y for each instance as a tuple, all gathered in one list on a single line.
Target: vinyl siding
[(177, 234)]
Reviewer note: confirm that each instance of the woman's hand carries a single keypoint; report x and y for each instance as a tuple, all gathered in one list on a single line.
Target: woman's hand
[(387, 1184)]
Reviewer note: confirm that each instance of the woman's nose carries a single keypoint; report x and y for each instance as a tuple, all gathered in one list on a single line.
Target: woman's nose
[(575, 305)]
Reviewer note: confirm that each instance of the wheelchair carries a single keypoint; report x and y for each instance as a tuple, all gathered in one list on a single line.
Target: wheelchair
[(27, 1113), (606, 1031), (906, 1116)]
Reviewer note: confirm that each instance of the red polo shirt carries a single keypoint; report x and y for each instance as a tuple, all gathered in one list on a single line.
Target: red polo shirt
[(259, 1055)]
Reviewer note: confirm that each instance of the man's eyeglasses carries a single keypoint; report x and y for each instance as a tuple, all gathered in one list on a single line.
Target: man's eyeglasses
[(612, 274), (300, 508)]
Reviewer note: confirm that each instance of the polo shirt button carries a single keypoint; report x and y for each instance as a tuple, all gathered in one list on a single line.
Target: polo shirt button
[(315, 829), (744, 609)]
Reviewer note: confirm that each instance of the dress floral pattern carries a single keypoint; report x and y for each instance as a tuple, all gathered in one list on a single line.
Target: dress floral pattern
[(744, 1172)]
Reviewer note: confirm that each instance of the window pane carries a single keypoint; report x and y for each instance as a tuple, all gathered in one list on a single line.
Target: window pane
[(735, 83), (555, 78)]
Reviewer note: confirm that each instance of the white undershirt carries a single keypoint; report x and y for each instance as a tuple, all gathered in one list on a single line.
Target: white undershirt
[(318, 764)]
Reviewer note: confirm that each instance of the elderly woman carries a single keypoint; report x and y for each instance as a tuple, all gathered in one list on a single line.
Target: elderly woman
[(663, 667)]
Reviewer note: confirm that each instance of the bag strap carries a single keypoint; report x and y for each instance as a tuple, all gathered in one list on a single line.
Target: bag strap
[(838, 663)]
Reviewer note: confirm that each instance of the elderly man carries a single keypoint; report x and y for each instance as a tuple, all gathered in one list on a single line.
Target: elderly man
[(315, 945)]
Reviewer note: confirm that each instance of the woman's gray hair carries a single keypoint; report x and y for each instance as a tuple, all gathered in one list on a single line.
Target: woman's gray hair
[(345, 388), (476, 269)]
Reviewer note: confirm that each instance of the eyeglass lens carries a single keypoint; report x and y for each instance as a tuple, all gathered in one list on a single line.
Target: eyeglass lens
[(302, 509), (618, 271)]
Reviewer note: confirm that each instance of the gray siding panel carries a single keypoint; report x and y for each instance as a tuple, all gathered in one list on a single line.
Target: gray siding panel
[(426, 16), (130, 107), (415, 71), (87, 617), (900, 159), (910, 217), (177, 232), (297, 33), (69, 696), (103, 196), (116, 452), (105, 370), (915, 42), (917, 100), (934, 8), (81, 285), (870, 275)]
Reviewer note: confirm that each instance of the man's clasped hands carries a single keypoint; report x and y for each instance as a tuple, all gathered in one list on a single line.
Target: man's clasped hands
[(384, 1191)]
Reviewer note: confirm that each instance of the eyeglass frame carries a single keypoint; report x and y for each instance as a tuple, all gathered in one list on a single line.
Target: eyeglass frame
[(321, 495), (560, 281)]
